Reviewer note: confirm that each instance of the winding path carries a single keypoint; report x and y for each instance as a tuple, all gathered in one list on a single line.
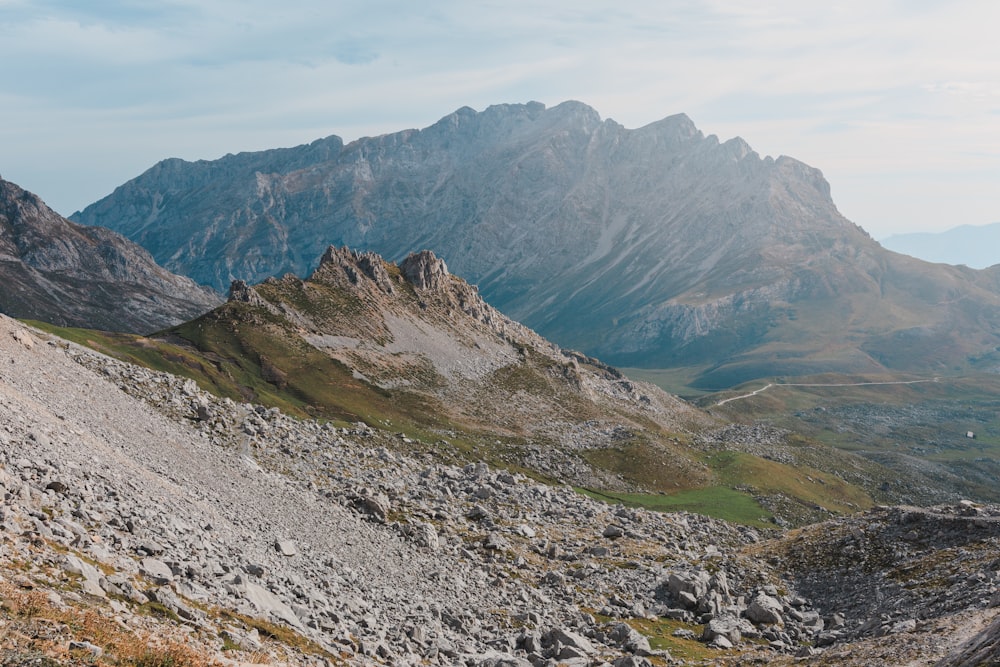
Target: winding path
[(820, 384)]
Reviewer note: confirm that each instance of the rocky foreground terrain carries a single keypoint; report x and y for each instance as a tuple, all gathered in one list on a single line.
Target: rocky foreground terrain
[(144, 521)]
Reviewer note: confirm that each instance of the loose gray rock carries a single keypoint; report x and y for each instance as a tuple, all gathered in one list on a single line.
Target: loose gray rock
[(727, 628), (613, 531), (765, 610), (156, 570), (91, 577), (285, 548)]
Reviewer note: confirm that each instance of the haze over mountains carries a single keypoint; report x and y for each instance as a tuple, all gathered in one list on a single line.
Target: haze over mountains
[(976, 246), (69, 274), (652, 247)]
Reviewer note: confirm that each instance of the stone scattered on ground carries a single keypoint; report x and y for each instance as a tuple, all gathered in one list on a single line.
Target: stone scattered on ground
[(249, 535)]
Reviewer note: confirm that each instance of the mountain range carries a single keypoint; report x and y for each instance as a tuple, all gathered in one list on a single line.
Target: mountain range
[(976, 246), (363, 462), (655, 247), (69, 274), (411, 344)]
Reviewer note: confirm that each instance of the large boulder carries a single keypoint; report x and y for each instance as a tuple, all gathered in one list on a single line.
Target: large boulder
[(727, 627), (765, 610)]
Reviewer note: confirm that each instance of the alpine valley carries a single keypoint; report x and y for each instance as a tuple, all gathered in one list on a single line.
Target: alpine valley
[(362, 458)]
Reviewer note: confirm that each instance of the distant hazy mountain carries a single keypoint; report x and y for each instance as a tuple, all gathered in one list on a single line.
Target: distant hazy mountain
[(655, 247), (60, 272), (976, 246)]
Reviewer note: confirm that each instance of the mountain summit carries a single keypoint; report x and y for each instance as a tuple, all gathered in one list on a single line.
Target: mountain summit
[(64, 273), (655, 247)]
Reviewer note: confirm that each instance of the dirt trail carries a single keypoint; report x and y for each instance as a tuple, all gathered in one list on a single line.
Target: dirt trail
[(820, 384)]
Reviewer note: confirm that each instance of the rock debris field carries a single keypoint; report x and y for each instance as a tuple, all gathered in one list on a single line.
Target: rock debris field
[(248, 536)]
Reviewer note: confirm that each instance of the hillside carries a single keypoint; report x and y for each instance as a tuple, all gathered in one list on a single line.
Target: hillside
[(653, 247), (414, 349), (947, 428), (61, 272), (414, 346), (147, 522)]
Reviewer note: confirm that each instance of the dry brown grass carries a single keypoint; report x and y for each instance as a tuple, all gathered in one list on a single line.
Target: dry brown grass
[(38, 630)]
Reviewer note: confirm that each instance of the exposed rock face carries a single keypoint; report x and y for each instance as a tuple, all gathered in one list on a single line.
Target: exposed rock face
[(424, 270), (60, 272), (240, 292), (654, 246), (357, 265)]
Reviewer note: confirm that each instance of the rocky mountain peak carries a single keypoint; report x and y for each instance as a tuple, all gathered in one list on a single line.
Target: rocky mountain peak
[(424, 270), (356, 266), (64, 273), (790, 169), (677, 128), (241, 292), (13, 197), (739, 149), (578, 113)]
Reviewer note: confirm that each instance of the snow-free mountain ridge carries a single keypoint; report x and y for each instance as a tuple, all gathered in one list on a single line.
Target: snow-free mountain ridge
[(655, 247)]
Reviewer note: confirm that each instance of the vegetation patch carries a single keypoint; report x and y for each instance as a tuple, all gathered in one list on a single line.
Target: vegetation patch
[(716, 501), (38, 632), (805, 485), (660, 634), (279, 633)]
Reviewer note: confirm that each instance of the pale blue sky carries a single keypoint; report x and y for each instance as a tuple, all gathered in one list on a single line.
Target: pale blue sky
[(896, 101)]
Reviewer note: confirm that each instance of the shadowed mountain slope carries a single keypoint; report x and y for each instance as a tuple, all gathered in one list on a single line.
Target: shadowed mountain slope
[(61, 272), (651, 247)]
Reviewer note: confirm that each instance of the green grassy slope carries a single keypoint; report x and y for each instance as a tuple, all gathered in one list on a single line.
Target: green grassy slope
[(261, 354), (906, 422)]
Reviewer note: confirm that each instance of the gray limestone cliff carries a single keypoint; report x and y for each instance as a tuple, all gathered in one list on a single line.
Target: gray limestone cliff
[(67, 274)]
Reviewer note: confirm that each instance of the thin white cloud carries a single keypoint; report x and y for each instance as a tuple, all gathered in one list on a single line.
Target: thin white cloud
[(865, 90)]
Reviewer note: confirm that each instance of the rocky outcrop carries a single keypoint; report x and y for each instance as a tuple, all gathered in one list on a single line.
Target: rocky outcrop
[(240, 292), (60, 272), (418, 331), (982, 649), (885, 572), (424, 270), (650, 247), (355, 265)]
